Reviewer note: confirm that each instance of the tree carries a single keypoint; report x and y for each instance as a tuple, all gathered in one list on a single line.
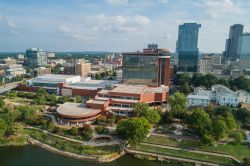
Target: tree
[(220, 129), (151, 115), (86, 132), (51, 98), (73, 131), (143, 110), (209, 80), (178, 102), (63, 99), (242, 115), (2, 103), (183, 78), (138, 108), (40, 100), (230, 121), (98, 77), (237, 136), (78, 99), (133, 130), (197, 79), (12, 94), (200, 122), (185, 88), (207, 139), (102, 130), (3, 127), (41, 92), (222, 110)]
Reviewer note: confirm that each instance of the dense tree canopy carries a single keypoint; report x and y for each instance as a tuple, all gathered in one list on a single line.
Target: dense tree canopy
[(133, 130), (200, 122), (242, 115), (220, 128), (178, 102), (208, 80), (143, 110)]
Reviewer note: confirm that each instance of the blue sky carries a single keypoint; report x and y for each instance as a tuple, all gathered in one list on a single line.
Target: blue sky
[(115, 25)]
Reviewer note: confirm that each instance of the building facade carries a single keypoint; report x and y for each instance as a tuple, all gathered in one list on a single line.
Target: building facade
[(244, 51), (232, 42), (187, 47), (36, 57), (149, 67), (208, 63), (120, 99)]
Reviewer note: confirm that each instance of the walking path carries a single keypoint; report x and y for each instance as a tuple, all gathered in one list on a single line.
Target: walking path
[(91, 143), (194, 151), (170, 158)]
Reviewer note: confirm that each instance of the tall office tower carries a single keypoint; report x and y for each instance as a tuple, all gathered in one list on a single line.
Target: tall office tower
[(231, 47), (150, 67), (36, 57), (187, 47), (153, 46), (243, 50)]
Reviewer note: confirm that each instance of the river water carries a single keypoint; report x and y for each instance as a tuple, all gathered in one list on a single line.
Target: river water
[(35, 156)]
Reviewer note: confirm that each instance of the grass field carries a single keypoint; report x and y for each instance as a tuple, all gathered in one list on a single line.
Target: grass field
[(184, 154), (238, 151)]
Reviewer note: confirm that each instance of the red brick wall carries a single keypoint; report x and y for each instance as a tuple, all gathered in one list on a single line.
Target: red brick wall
[(167, 69), (84, 92), (23, 87)]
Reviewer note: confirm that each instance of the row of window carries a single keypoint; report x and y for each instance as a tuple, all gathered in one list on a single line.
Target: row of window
[(121, 97)]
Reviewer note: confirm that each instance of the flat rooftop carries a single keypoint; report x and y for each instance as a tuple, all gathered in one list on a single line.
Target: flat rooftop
[(58, 78), (204, 97), (92, 84), (138, 89), (223, 90), (76, 109), (94, 101)]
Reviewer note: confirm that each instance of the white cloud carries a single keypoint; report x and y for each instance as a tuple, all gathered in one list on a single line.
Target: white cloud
[(64, 28), (221, 8), (117, 2), (114, 24), (142, 20), (75, 34), (8, 25)]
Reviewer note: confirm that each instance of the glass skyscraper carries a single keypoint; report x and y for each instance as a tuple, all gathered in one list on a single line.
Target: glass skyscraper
[(187, 47), (244, 46), (231, 47), (36, 57), (150, 67), (243, 50)]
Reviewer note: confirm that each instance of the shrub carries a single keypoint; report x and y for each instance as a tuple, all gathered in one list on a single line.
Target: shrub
[(102, 130), (86, 132)]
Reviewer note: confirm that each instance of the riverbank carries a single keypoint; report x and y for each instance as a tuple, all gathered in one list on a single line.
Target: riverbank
[(101, 159)]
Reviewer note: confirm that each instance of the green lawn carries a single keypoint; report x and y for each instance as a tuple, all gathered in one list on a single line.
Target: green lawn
[(238, 151), (184, 154)]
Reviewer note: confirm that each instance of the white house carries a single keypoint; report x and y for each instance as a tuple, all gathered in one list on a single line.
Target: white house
[(198, 100), (244, 96), (225, 96)]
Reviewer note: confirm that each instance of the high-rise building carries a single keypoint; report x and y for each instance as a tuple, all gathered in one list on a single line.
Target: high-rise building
[(153, 46), (187, 47), (78, 67), (244, 50), (150, 67), (36, 57), (231, 47)]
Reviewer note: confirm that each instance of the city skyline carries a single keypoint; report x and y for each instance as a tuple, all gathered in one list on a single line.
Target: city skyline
[(115, 25)]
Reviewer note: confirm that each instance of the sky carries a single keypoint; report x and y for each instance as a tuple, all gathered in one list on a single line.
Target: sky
[(116, 25)]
